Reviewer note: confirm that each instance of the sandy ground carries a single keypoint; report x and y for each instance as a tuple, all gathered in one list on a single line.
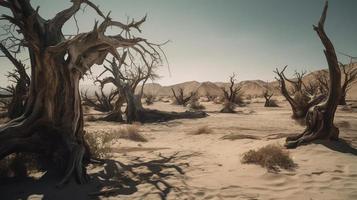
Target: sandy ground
[(174, 164)]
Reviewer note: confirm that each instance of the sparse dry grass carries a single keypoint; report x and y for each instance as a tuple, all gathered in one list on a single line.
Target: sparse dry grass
[(271, 157), (132, 133), (202, 130), (239, 137), (100, 142)]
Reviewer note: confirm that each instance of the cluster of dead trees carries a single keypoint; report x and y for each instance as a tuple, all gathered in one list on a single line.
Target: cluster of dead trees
[(50, 116), (299, 97), (303, 95)]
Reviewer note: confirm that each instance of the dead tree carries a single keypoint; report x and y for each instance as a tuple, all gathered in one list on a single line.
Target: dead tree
[(268, 101), (52, 123), (320, 118), (301, 101), (180, 98), (322, 81), (100, 101), (232, 96), (21, 80), (127, 77), (350, 78)]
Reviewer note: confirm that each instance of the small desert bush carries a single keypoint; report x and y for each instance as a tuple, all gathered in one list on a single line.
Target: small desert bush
[(132, 133), (271, 157), (228, 107), (149, 99), (194, 104), (202, 130), (100, 142), (271, 103)]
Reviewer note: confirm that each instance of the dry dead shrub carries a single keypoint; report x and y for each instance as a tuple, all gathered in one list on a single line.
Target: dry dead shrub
[(132, 133), (228, 107), (149, 99), (272, 103), (272, 157), (202, 130), (100, 142), (195, 104)]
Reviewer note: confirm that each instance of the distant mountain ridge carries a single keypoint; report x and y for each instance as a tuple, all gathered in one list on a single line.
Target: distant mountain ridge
[(253, 88)]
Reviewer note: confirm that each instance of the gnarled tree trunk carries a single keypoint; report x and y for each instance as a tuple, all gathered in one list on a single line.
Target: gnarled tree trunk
[(319, 120), (52, 123)]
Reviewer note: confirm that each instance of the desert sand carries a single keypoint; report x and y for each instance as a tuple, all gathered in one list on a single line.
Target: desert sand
[(176, 164)]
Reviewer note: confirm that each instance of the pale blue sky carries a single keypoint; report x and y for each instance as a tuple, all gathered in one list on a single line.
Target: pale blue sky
[(213, 38)]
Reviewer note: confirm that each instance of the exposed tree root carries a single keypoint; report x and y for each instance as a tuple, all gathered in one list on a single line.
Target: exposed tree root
[(319, 119), (316, 129), (45, 139)]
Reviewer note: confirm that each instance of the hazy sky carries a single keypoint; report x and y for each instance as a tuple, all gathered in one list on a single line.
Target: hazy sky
[(210, 39)]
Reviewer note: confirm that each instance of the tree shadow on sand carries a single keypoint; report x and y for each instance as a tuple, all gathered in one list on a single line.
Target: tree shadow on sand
[(113, 179), (342, 146)]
